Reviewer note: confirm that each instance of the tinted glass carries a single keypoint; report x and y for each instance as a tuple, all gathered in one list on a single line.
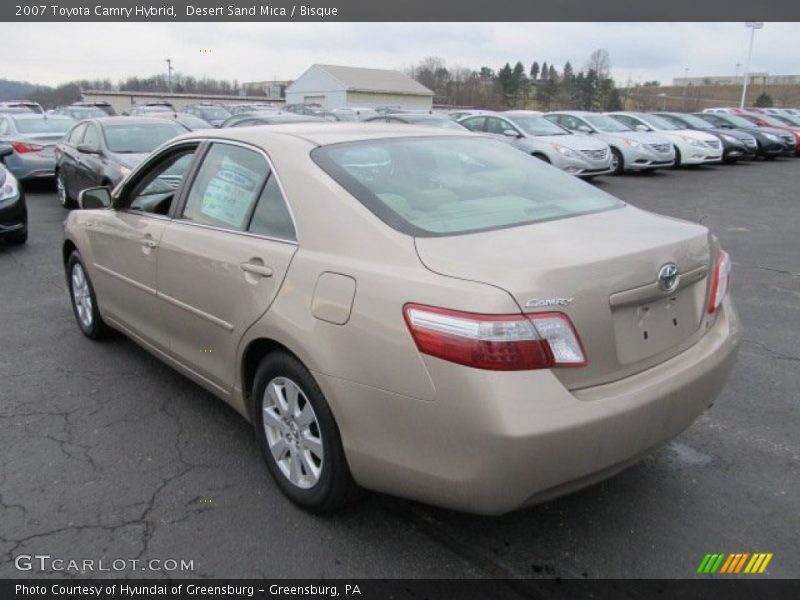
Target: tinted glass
[(474, 124), (226, 187), (452, 185), (91, 137), (155, 192), (660, 123), (140, 138), (217, 114), (696, 122), (272, 217)]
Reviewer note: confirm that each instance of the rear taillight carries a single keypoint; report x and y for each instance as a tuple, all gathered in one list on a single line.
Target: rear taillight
[(22, 147), (720, 281), (496, 342)]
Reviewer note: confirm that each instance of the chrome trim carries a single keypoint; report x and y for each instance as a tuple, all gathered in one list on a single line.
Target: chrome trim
[(128, 280), (652, 291), (195, 311), (233, 231)]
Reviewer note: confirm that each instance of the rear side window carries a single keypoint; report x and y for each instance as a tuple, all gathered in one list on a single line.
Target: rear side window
[(446, 185), (226, 187), (76, 134), (271, 216)]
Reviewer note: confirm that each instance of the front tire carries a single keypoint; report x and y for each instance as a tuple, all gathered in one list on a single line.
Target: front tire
[(17, 239), (84, 301), (617, 162), (677, 164), (64, 198), (298, 435)]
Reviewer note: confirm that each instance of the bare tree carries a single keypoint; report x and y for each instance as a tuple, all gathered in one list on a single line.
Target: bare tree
[(599, 62)]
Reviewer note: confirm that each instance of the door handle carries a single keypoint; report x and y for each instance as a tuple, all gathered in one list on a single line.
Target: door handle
[(256, 269), (148, 243)]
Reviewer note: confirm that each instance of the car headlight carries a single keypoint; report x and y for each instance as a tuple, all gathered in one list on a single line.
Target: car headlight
[(9, 190), (693, 142), (566, 151), (730, 139), (772, 137), (633, 143)]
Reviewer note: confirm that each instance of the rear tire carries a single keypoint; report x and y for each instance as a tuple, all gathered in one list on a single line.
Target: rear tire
[(17, 239), (84, 301), (299, 437)]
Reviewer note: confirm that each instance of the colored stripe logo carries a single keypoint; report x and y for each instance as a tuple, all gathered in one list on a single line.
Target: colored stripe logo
[(737, 562)]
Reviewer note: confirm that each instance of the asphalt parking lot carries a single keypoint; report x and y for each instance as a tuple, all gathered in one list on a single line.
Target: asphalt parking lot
[(107, 453)]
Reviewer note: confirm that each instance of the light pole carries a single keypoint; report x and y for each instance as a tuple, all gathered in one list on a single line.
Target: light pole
[(169, 75), (685, 87), (736, 73), (753, 25)]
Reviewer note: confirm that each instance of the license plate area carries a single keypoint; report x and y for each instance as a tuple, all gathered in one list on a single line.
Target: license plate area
[(649, 328)]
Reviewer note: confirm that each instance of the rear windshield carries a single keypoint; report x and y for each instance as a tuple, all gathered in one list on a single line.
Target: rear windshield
[(435, 186), (44, 125), (140, 138)]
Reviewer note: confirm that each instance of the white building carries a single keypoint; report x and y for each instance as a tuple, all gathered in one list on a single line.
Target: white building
[(337, 87)]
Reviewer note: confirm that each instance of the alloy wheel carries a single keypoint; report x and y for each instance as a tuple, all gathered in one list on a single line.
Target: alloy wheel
[(82, 296), (293, 433)]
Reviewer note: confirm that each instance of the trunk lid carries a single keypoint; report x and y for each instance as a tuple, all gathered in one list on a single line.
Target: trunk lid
[(608, 264)]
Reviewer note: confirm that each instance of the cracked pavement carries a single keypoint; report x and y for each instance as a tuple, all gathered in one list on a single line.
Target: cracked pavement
[(106, 453)]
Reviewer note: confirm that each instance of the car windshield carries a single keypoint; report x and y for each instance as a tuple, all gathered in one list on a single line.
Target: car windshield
[(141, 137), (696, 122), (604, 123), (737, 121), (214, 113), (44, 125), (538, 126), (346, 116), (434, 186), (775, 122), (789, 120), (661, 123)]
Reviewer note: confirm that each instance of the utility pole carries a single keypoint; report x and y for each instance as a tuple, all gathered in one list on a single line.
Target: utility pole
[(169, 75), (753, 25), (685, 87), (736, 73)]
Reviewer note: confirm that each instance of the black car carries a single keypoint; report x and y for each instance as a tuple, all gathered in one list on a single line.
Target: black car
[(770, 142), (425, 119), (101, 152), (211, 113), (736, 144), (13, 211)]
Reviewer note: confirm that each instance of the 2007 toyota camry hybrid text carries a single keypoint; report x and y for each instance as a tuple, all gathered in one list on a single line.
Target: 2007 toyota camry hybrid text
[(427, 313)]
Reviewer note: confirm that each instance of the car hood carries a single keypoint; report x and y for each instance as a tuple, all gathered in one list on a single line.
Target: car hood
[(610, 280), (46, 139), (739, 134), (573, 142), (689, 133), (643, 137)]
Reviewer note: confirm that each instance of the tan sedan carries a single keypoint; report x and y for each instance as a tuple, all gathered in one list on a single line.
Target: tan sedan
[(426, 313)]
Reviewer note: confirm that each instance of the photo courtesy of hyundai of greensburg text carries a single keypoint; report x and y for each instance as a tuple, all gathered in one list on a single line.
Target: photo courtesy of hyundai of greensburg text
[(394, 301)]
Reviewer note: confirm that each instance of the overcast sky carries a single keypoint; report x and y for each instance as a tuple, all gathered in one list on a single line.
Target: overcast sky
[(53, 53)]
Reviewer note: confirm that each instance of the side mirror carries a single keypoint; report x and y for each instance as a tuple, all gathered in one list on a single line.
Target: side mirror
[(88, 149), (93, 198), (5, 151), (511, 133), (584, 129), (641, 127)]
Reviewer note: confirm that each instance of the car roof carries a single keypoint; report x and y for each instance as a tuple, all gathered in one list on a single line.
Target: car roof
[(324, 133), (126, 120), (33, 115)]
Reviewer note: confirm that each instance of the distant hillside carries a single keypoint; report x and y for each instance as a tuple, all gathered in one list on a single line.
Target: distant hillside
[(16, 90)]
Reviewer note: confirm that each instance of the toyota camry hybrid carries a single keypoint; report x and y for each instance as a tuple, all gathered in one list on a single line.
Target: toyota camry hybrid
[(427, 313)]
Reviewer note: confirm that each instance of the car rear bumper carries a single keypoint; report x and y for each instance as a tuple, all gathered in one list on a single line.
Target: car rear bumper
[(493, 442), (30, 166)]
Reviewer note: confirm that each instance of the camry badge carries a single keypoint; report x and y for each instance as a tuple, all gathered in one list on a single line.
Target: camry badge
[(539, 302), (668, 277)]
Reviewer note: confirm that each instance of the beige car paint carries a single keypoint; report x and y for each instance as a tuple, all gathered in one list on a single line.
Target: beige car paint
[(414, 425)]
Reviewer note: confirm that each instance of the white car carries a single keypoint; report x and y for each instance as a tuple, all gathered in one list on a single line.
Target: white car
[(691, 147), (631, 150)]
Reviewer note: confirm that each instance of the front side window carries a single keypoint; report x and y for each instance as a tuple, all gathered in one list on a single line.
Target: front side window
[(434, 186), (474, 124), (91, 137), (155, 190), (226, 187), (608, 124)]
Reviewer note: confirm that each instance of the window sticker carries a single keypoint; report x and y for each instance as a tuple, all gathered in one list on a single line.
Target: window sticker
[(230, 193)]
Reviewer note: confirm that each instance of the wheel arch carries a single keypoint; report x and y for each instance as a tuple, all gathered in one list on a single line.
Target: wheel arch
[(253, 354)]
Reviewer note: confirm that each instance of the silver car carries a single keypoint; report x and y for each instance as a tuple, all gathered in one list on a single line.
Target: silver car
[(631, 150), (33, 138), (578, 155)]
